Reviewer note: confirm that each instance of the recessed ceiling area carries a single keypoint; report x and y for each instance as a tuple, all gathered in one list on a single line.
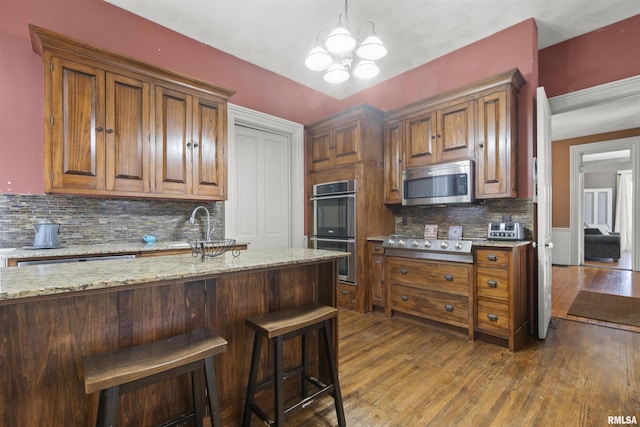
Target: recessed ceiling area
[(278, 34)]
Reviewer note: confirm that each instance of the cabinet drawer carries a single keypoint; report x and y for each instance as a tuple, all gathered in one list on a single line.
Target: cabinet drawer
[(493, 282), (446, 308), (346, 296), (376, 248), (497, 258), (493, 317), (448, 278)]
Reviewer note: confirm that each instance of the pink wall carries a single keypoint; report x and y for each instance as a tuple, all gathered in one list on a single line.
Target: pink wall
[(601, 56), (104, 25)]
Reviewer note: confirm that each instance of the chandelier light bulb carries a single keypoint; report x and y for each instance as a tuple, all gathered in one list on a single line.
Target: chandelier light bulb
[(318, 59), (340, 41), (336, 74), (366, 69), (371, 48)]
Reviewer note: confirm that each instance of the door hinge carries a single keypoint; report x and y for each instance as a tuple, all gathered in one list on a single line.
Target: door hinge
[(51, 176), (51, 120), (51, 65)]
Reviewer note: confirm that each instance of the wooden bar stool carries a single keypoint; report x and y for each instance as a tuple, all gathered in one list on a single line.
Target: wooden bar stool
[(279, 326), (125, 370)]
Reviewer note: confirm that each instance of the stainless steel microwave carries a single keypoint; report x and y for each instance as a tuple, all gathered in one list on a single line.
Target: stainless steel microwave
[(439, 184)]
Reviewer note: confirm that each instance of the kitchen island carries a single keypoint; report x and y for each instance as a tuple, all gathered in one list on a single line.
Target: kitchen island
[(53, 316)]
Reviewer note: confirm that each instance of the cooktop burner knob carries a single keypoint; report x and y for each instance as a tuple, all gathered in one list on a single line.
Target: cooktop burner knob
[(444, 245), (415, 244), (459, 245), (427, 244), (401, 243)]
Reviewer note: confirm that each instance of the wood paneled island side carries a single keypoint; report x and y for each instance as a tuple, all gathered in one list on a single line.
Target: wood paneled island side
[(53, 316)]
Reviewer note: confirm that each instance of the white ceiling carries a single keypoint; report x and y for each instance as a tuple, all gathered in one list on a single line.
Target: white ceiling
[(277, 34)]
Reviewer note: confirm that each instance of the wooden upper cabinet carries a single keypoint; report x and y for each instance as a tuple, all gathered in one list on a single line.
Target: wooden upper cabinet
[(496, 160), (121, 127), (77, 120), (393, 152), (335, 146), (455, 133), (420, 139), (126, 132)]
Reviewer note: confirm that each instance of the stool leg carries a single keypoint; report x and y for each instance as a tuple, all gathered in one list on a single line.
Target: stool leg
[(253, 377), (304, 390), (278, 385), (108, 407), (212, 392), (337, 396), (197, 386)]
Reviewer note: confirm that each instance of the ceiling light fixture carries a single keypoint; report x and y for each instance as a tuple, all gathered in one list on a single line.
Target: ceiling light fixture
[(335, 55)]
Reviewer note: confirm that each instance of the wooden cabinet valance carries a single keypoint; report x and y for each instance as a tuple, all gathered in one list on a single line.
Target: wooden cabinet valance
[(476, 122), (119, 127)]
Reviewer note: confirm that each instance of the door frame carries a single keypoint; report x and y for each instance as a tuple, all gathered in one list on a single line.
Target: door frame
[(238, 115), (601, 94)]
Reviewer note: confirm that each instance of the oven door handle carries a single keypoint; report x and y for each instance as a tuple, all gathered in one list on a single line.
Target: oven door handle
[(334, 240), (339, 196)]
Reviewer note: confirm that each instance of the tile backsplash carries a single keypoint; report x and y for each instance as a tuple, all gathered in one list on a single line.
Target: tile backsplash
[(86, 220), (474, 218)]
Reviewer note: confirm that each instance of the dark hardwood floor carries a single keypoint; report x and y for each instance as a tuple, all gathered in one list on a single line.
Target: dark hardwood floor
[(395, 372)]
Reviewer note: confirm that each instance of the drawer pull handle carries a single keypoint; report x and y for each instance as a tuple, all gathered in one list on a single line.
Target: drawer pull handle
[(448, 277), (377, 248), (404, 271), (448, 307), (343, 292), (404, 298), (492, 257), (493, 317), (492, 283)]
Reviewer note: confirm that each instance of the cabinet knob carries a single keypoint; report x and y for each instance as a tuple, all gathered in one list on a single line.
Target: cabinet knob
[(492, 283), (404, 271), (448, 307), (195, 145), (109, 130), (404, 298), (188, 144), (493, 317), (377, 248), (99, 128), (481, 145), (433, 137), (448, 277), (439, 136)]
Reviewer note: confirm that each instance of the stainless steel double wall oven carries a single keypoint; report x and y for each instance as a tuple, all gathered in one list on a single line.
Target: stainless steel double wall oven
[(334, 223)]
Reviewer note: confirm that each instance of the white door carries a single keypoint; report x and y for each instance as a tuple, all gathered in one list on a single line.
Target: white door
[(543, 192), (262, 188)]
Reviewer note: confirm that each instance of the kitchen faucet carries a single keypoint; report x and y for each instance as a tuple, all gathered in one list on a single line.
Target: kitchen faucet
[(193, 217)]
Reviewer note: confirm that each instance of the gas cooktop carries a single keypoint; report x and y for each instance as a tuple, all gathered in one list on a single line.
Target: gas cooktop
[(418, 247)]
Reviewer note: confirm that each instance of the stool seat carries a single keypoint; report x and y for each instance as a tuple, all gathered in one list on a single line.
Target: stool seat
[(118, 372), (277, 327), (291, 319)]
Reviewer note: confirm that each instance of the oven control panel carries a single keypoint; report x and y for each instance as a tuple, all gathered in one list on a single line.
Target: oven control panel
[(505, 231)]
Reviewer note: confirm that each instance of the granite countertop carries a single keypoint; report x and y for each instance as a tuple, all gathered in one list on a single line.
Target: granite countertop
[(96, 249), (51, 279)]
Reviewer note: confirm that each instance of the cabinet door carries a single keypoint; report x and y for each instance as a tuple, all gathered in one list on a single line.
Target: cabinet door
[(208, 149), (348, 143), (127, 134), (76, 149), (420, 140), (174, 112), (376, 279), (495, 173), (393, 133), (456, 132), (320, 150)]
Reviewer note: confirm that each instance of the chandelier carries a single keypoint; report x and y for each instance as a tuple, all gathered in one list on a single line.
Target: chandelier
[(336, 55)]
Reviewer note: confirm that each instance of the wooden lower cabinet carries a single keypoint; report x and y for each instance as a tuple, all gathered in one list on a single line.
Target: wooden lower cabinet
[(346, 295), (376, 274), (435, 290), (502, 297)]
